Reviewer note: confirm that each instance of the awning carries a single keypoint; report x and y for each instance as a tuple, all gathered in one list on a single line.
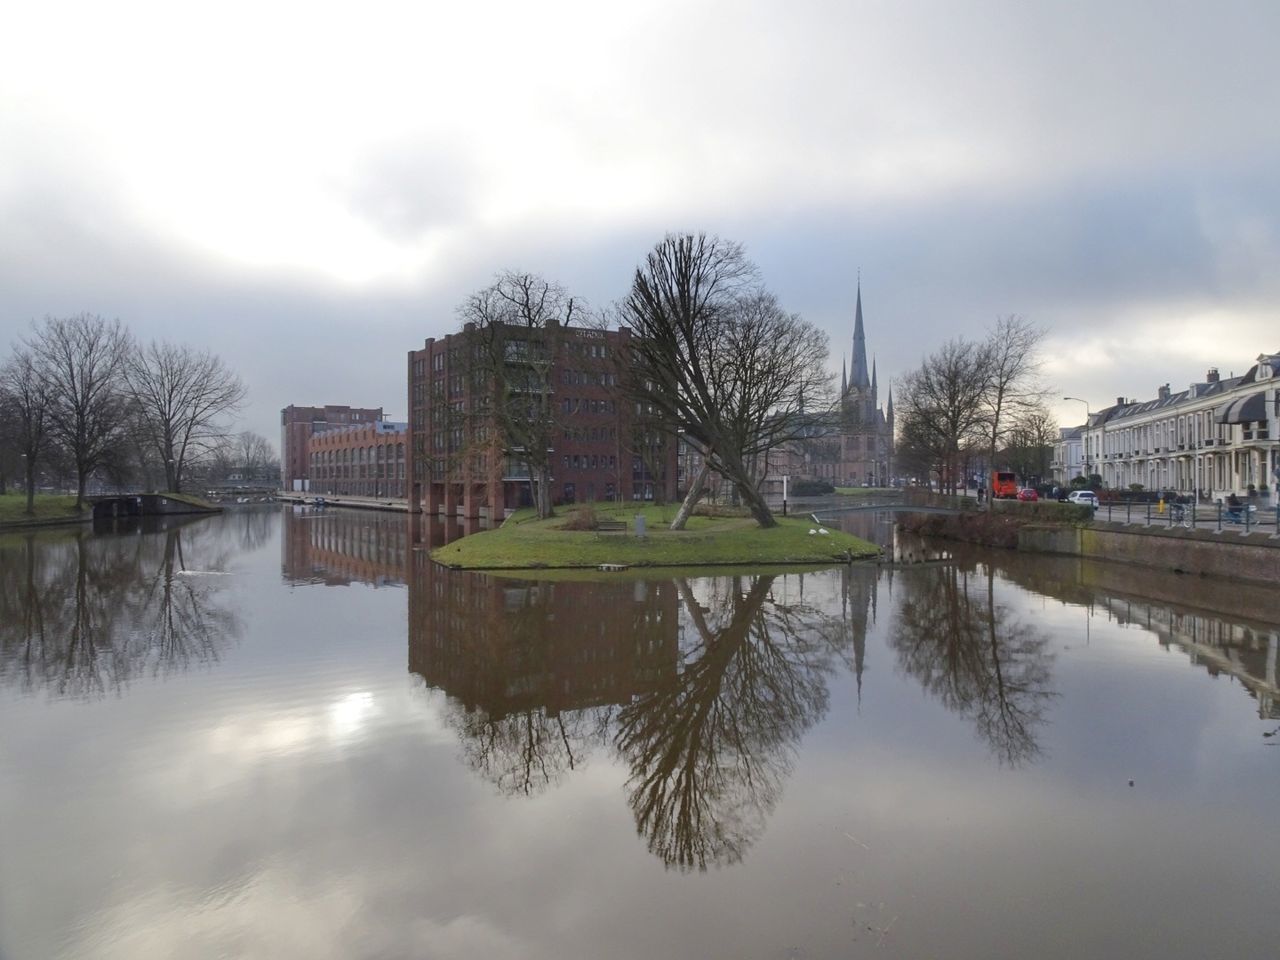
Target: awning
[(1245, 410)]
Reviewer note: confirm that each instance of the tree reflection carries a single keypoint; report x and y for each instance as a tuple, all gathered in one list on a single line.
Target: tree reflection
[(973, 655), (81, 614), (710, 748), (535, 670)]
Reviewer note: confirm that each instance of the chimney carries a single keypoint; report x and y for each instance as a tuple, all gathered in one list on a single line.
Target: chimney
[(1163, 392), (1212, 375), (1119, 401)]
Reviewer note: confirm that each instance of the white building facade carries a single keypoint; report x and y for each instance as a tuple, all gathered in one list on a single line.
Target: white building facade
[(1213, 439)]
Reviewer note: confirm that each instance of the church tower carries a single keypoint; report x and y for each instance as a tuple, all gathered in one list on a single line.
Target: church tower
[(866, 431)]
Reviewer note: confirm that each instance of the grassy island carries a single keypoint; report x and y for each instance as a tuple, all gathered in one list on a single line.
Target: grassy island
[(587, 536)]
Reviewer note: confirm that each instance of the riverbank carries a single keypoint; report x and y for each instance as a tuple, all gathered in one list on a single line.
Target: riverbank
[(608, 534), (1238, 553), (48, 509), (57, 509)]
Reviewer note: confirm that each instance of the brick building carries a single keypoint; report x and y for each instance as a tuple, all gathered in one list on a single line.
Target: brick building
[(364, 460), (460, 464), (297, 424)]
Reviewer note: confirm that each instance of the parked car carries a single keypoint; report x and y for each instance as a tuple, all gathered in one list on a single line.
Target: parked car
[(1087, 497), (1028, 493)]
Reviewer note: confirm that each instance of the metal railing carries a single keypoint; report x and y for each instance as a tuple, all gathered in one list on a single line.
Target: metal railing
[(1216, 516)]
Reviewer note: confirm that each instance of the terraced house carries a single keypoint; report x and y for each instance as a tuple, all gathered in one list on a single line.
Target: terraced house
[(1217, 437)]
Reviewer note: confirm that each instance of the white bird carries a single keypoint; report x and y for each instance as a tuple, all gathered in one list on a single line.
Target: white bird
[(812, 531), (824, 531)]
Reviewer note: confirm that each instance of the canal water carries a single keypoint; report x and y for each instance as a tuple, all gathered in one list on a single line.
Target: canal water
[(284, 733)]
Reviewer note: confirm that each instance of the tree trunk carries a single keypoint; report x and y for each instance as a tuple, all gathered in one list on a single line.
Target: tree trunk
[(692, 497), (31, 488), (755, 503)]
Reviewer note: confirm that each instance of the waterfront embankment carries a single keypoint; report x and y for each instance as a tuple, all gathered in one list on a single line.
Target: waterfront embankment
[(1229, 552)]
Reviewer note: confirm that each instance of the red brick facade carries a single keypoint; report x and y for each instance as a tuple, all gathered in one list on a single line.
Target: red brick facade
[(297, 424), (456, 466), (367, 460)]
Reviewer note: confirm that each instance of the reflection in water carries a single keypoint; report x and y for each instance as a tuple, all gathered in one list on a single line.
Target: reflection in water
[(710, 748), (975, 656), (703, 695), (82, 614), (339, 547), (534, 669)]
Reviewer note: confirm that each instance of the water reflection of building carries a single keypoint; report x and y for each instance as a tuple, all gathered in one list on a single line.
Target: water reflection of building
[(505, 646), (1248, 652), (337, 547)]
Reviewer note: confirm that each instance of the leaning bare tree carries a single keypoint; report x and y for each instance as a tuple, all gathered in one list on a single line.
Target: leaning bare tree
[(718, 357), (25, 401), (515, 329), (180, 397), (81, 360)]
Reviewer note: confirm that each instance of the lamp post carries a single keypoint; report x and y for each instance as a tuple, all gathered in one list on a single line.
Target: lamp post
[(1087, 415)]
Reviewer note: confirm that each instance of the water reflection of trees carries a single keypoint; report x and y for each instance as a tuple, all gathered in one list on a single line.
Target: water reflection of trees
[(704, 689), (710, 748), (975, 656), (81, 614)]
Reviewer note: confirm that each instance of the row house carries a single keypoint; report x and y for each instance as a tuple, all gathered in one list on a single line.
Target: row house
[(1218, 437), (363, 460)]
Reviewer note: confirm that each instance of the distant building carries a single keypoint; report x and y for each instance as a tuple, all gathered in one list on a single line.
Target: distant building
[(363, 460), (297, 424), (459, 465)]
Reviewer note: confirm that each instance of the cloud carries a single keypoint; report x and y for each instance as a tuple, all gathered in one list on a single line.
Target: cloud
[(310, 192)]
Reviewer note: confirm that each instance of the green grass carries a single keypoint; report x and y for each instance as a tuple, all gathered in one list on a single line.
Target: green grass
[(49, 508), (192, 499), (526, 543), (863, 491)]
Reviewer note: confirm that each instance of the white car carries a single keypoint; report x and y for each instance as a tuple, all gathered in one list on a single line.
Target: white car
[(1087, 497)]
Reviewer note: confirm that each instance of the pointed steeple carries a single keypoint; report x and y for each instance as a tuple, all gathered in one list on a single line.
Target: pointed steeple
[(874, 389), (889, 411), (861, 379)]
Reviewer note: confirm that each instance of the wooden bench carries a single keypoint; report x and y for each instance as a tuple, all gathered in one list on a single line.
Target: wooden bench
[(611, 526)]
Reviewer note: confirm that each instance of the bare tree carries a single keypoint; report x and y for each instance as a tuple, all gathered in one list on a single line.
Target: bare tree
[(253, 453), (517, 327), (1013, 386), (717, 356), (941, 409), (25, 401), (180, 397), (81, 360), (1029, 449)]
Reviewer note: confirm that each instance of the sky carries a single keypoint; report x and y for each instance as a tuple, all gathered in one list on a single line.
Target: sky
[(310, 190)]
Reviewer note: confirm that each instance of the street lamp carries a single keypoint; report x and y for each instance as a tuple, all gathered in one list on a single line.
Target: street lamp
[(1087, 415)]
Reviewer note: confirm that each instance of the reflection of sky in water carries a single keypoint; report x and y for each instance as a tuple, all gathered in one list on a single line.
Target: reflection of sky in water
[(307, 796)]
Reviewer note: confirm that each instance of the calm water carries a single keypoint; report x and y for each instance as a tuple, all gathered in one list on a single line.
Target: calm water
[(285, 734)]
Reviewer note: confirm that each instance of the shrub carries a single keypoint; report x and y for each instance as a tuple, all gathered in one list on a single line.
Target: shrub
[(811, 488), (581, 518)]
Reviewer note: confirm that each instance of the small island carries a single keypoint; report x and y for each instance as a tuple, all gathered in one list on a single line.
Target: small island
[(591, 536)]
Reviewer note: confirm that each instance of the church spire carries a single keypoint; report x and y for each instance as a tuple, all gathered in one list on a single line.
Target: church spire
[(861, 379)]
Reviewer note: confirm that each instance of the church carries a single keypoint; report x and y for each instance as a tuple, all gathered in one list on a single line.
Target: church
[(851, 445)]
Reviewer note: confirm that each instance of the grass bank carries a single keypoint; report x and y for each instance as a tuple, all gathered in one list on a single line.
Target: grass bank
[(717, 537), (49, 508)]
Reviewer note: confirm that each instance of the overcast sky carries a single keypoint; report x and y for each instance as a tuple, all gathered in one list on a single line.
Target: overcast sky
[(309, 190)]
